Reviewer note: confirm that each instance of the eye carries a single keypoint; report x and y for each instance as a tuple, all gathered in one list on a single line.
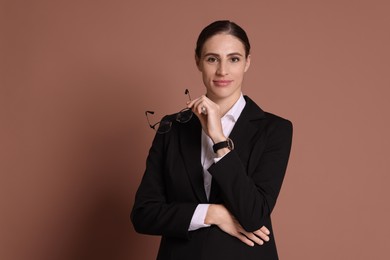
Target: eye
[(235, 59), (211, 59)]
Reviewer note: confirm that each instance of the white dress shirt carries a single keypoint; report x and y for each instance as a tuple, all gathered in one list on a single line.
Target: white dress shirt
[(208, 157)]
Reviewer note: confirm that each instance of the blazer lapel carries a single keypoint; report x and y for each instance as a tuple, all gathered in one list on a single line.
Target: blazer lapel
[(244, 129), (190, 146), (242, 135)]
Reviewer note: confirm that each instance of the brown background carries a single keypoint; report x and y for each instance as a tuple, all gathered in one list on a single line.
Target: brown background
[(77, 76)]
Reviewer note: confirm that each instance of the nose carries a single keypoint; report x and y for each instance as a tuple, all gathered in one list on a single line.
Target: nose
[(222, 69)]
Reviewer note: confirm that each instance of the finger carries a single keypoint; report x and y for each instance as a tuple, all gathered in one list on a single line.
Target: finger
[(249, 235), (261, 235), (192, 102), (265, 230), (244, 239), (203, 110), (200, 106), (254, 238)]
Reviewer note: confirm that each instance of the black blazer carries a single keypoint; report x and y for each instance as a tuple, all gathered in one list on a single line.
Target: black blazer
[(247, 181)]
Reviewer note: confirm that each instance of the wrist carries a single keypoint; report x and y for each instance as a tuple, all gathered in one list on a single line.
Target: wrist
[(219, 138), (227, 143), (212, 214), (222, 152)]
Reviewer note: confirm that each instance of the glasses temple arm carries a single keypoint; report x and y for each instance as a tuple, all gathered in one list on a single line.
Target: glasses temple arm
[(147, 118), (187, 92)]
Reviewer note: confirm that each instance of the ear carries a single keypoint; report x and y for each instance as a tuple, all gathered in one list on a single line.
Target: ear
[(247, 63), (197, 61)]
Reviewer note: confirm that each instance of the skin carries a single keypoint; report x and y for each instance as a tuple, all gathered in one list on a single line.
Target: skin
[(223, 63)]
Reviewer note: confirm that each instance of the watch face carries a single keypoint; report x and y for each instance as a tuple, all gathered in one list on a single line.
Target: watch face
[(230, 144)]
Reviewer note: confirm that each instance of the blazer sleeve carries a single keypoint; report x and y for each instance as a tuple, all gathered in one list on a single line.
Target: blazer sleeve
[(250, 192), (152, 214)]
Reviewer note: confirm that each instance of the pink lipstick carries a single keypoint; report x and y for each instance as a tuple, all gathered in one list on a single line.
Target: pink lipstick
[(222, 83)]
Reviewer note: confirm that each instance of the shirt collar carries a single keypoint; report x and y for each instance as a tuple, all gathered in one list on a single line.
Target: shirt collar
[(236, 109)]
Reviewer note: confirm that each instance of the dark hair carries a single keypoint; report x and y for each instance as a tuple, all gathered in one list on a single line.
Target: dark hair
[(218, 27)]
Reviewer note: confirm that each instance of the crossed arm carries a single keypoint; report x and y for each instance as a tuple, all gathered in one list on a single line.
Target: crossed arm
[(218, 214), (248, 197)]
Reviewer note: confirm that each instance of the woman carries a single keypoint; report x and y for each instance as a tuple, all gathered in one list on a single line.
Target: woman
[(212, 180)]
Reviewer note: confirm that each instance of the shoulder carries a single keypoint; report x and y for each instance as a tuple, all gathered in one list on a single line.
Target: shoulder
[(267, 121), (180, 124), (253, 112), (275, 119), (278, 126)]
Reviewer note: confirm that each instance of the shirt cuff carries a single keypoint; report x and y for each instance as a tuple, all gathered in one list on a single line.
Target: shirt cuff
[(198, 218)]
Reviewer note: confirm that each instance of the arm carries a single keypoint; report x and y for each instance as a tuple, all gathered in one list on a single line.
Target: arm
[(249, 193), (220, 216), (152, 212), (251, 196)]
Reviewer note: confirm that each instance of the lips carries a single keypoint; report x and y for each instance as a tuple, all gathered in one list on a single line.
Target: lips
[(222, 83)]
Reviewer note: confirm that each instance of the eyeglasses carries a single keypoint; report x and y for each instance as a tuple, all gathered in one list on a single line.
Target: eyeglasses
[(165, 125)]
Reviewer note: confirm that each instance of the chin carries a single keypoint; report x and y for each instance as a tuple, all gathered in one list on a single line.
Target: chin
[(223, 92)]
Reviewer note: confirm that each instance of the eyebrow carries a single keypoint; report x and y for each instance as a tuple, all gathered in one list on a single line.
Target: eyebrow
[(230, 54)]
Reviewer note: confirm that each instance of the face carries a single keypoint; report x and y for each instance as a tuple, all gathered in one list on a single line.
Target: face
[(223, 65)]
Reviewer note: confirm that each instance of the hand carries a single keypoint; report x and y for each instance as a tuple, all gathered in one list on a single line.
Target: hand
[(220, 216), (210, 119)]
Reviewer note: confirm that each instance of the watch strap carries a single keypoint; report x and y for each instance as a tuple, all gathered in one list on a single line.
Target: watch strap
[(224, 144)]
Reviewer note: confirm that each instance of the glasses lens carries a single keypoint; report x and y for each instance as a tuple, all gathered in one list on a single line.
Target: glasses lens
[(163, 127), (184, 116)]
